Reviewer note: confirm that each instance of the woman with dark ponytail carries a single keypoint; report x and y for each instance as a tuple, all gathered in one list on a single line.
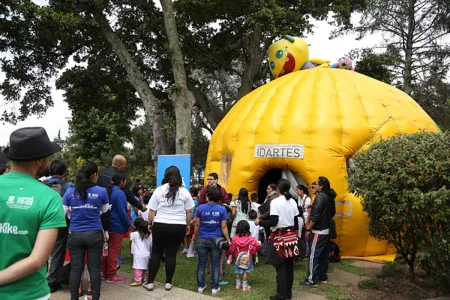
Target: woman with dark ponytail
[(120, 223), (85, 202), (283, 245), (169, 218)]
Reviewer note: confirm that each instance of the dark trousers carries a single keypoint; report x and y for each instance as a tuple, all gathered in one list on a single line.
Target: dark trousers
[(78, 243), (58, 254), (285, 279), (166, 239), (318, 258)]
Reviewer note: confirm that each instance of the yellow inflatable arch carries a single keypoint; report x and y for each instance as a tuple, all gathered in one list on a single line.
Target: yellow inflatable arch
[(312, 122)]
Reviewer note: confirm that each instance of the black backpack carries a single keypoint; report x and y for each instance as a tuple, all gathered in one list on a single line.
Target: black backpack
[(334, 254), (57, 186)]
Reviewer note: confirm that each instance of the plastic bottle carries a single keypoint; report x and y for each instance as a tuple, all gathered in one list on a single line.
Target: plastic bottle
[(105, 249)]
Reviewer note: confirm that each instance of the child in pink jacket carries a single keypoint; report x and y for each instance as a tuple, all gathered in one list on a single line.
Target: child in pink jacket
[(243, 247)]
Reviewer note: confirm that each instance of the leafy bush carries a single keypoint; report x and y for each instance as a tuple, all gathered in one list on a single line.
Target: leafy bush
[(388, 270), (403, 182), (369, 284), (436, 261)]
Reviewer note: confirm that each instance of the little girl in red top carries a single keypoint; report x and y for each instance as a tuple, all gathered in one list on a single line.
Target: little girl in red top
[(243, 247)]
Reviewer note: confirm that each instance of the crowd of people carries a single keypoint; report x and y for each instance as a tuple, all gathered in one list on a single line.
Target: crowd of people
[(88, 220)]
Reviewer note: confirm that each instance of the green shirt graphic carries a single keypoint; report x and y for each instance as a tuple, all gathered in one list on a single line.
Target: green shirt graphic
[(26, 206)]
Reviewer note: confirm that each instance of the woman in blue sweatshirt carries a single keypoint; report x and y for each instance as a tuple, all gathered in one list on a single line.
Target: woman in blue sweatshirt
[(120, 223)]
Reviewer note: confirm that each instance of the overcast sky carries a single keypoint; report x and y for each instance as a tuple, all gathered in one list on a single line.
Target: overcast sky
[(56, 117)]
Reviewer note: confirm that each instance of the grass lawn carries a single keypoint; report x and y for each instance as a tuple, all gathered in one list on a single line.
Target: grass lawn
[(262, 279)]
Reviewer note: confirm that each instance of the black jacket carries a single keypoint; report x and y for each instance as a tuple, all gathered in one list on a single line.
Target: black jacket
[(323, 211), (105, 178)]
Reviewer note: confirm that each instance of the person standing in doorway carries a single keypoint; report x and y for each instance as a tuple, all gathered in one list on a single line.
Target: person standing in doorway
[(318, 232), (30, 216), (304, 201)]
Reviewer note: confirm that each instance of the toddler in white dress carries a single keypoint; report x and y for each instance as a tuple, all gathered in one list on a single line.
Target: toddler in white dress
[(142, 249)]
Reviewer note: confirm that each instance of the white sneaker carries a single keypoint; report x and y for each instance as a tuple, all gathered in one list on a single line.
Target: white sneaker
[(201, 289), (215, 291), (148, 286), (169, 286)]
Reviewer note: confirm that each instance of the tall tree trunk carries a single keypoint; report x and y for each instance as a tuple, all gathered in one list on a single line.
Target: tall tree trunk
[(182, 98), (160, 143), (138, 81), (407, 75)]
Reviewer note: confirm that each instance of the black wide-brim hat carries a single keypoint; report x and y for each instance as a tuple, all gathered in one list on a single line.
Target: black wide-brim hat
[(30, 143)]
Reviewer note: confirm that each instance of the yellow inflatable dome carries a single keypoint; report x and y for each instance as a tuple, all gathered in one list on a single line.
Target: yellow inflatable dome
[(309, 124)]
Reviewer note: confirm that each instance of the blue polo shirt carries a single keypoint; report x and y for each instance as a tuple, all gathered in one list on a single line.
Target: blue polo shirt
[(211, 216), (85, 213)]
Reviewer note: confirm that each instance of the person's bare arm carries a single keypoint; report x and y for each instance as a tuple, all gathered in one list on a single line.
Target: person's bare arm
[(225, 230), (233, 212), (151, 215), (188, 220), (38, 258), (188, 217), (197, 226)]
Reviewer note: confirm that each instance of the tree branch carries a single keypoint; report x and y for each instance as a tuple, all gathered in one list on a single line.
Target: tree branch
[(212, 114)]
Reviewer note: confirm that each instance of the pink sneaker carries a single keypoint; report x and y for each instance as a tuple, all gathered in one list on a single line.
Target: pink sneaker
[(238, 286), (116, 279), (246, 288)]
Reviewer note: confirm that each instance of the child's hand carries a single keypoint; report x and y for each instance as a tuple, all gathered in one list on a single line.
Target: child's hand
[(259, 242), (229, 261)]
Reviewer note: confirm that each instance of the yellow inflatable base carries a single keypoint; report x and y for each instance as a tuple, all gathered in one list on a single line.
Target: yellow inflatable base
[(382, 259)]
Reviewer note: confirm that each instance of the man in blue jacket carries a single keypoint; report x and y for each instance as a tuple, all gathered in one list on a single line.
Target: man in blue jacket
[(119, 164)]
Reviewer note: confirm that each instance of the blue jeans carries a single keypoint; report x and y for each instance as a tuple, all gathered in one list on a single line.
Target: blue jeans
[(205, 247)]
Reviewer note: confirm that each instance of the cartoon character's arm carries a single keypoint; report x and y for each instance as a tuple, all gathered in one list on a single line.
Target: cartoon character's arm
[(320, 62)]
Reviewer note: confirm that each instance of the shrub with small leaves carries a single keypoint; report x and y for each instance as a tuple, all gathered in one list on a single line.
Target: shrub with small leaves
[(388, 270), (404, 185)]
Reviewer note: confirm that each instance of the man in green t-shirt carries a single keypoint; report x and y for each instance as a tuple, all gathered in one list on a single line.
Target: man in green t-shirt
[(30, 215)]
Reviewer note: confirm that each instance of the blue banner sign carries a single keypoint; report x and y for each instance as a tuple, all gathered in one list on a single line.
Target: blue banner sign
[(183, 162)]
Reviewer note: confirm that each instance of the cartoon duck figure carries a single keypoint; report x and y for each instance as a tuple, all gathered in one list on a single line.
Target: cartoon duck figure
[(292, 53)]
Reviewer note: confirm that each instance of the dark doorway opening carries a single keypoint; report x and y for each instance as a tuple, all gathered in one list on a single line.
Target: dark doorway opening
[(270, 177)]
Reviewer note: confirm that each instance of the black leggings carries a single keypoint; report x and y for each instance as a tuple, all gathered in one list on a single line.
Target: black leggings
[(166, 239), (285, 279), (77, 243)]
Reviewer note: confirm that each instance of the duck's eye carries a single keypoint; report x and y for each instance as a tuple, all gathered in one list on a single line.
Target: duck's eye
[(279, 54)]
